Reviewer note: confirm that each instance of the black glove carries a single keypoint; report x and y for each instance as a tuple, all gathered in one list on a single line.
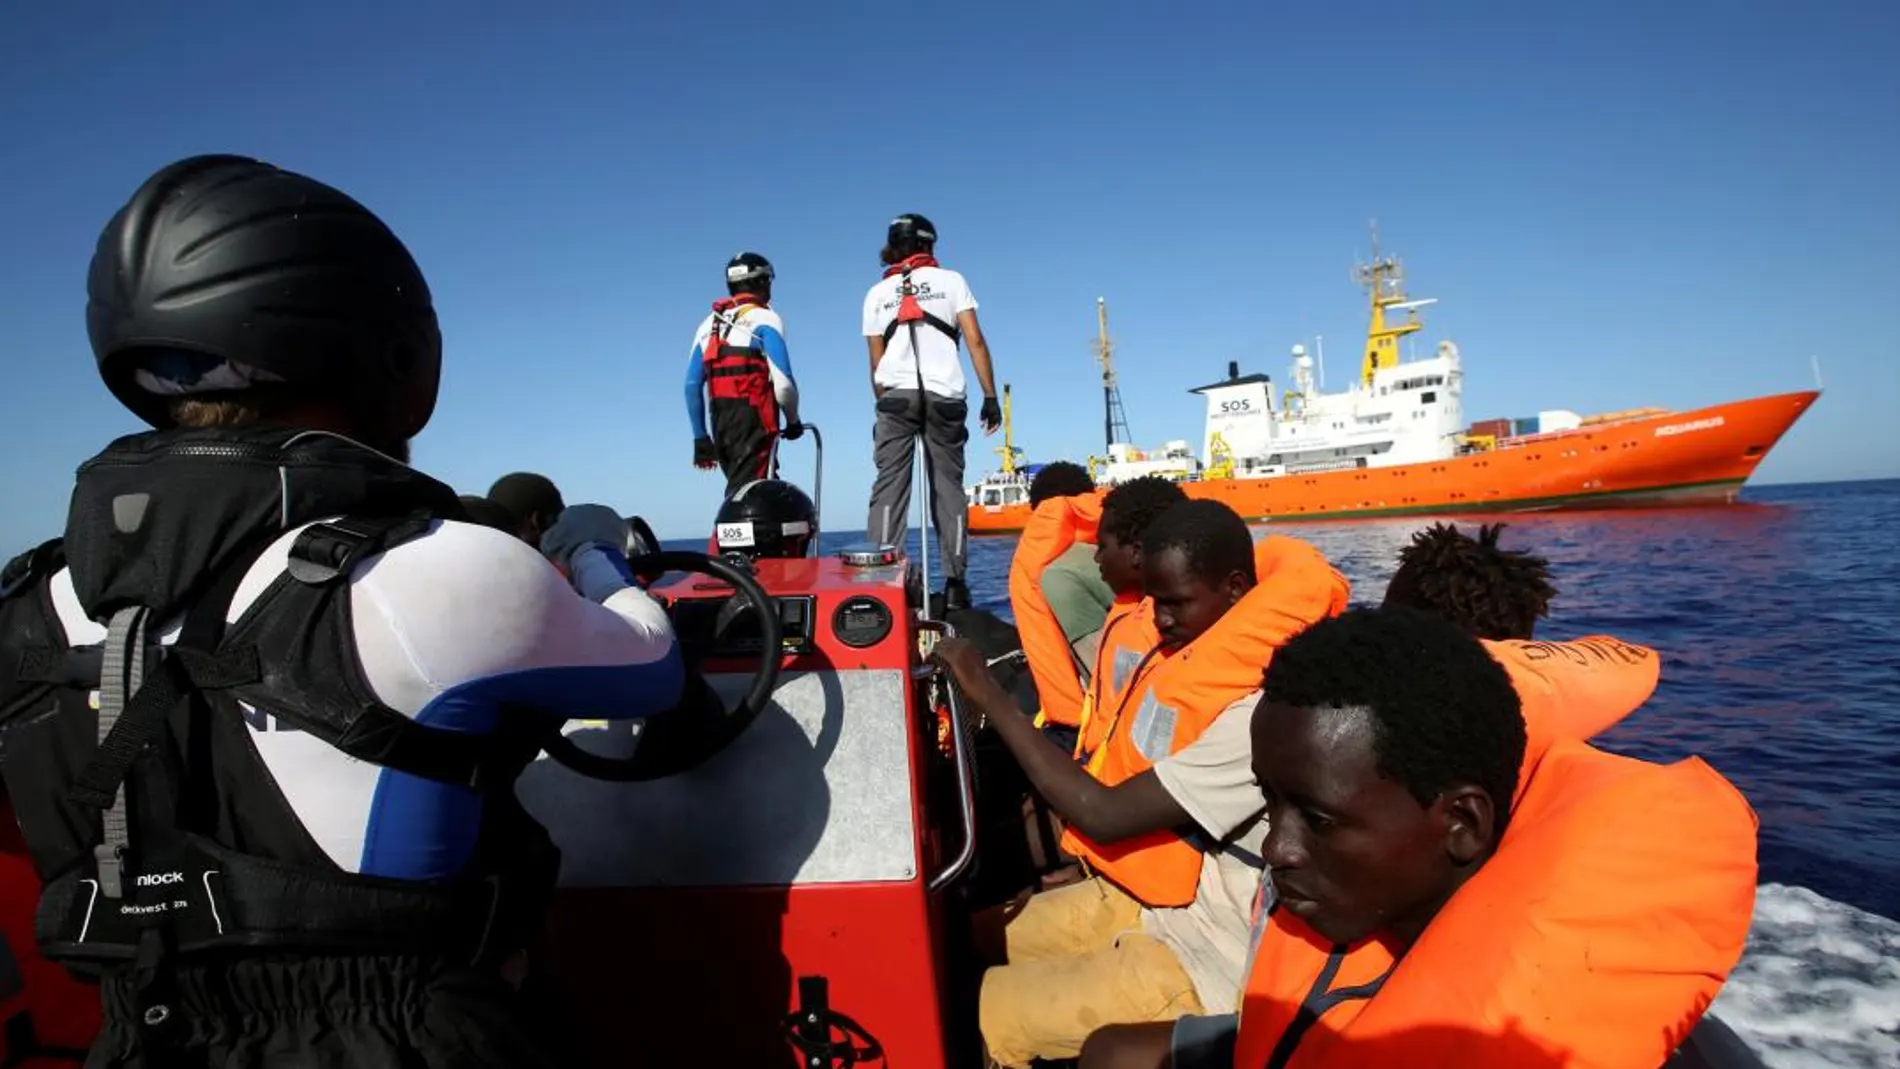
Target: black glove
[(992, 414), (703, 453), (792, 432)]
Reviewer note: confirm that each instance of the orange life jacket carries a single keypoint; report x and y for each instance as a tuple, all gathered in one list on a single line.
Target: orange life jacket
[(1574, 690), (1056, 526), (1128, 638), (1178, 693), (1616, 904)]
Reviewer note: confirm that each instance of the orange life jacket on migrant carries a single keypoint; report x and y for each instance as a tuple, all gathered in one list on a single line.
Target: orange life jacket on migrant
[(735, 373), (1576, 689), (1178, 693), (1056, 526), (1594, 938), (1128, 640)]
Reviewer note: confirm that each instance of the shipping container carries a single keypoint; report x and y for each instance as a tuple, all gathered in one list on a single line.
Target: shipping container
[(1524, 426), (1496, 428), (1558, 419)]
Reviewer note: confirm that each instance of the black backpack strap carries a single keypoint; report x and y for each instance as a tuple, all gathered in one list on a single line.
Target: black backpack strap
[(134, 710), (40, 562), (326, 552), (949, 329)]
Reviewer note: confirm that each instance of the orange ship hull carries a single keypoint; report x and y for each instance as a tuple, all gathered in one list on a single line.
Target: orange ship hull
[(1698, 457)]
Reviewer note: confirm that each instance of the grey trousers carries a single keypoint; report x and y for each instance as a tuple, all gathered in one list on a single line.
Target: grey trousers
[(946, 430)]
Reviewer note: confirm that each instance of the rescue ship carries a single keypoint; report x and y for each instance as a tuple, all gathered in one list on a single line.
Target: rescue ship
[(1395, 442)]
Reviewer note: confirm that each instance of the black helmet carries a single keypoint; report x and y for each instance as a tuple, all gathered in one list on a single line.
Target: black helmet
[(911, 229), (766, 518), (748, 272), (260, 273)]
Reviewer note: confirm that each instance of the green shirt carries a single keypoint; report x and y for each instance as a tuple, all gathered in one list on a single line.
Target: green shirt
[(1073, 586)]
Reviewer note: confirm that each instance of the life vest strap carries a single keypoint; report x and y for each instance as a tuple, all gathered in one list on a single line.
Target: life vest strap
[(380, 735), (256, 903), (739, 363), (949, 330), (134, 712), (326, 552)]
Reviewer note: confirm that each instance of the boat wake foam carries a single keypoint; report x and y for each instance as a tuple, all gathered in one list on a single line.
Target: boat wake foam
[(1819, 985)]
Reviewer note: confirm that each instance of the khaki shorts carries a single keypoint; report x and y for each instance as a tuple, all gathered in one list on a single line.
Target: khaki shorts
[(1077, 961)]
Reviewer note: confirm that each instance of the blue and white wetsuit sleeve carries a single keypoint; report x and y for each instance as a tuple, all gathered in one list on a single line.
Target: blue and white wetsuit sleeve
[(696, 391), (779, 358), (453, 626)]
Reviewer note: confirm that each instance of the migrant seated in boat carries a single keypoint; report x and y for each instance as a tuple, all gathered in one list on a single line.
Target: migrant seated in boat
[(1164, 924), (1406, 848), (1057, 593)]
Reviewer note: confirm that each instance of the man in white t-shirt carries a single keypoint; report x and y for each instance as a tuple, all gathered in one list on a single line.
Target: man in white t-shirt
[(913, 320)]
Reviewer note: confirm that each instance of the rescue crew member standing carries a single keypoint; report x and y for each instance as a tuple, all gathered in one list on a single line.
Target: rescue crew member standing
[(293, 837), (913, 319), (1162, 931), (741, 365)]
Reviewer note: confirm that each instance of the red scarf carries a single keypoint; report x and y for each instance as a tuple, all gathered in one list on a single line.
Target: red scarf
[(922, 259), (725, 303)]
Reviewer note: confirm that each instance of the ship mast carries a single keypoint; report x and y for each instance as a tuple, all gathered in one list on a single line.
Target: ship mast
[(1384, 279), (1114, 418)]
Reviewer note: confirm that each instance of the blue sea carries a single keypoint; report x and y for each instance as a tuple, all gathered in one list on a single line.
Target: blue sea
[(1779, 622)]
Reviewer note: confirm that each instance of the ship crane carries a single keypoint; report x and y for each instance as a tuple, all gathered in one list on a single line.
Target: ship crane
[(1009, 451), (1114, 417), (1384, 278)]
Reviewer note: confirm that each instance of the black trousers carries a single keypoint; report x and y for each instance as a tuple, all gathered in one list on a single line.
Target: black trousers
[(745, 446)]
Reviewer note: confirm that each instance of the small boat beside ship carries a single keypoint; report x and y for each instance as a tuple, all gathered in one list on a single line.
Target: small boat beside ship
[(1395, 442)]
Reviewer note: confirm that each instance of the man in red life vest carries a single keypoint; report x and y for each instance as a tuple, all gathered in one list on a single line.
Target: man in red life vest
[(740, 363), (914, 319)]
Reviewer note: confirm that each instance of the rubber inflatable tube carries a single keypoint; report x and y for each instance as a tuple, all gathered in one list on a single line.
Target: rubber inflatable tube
[(996, 639), (1714, 1045)]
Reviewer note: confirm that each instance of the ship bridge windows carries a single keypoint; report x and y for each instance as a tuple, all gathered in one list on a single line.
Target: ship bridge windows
[(1420, 382)]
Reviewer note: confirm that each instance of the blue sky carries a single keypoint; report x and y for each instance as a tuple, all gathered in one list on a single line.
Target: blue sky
[(1616, 204)]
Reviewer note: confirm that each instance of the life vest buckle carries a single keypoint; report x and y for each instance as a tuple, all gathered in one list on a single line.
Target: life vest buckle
[(109, 861)]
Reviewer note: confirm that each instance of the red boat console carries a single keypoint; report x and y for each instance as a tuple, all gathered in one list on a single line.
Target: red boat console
[(791, 881)]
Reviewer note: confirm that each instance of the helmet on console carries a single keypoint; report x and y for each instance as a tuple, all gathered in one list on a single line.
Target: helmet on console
[(766, 518)]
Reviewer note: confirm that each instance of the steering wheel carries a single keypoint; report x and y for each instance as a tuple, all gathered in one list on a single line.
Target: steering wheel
[(701, 725), (642, 542)]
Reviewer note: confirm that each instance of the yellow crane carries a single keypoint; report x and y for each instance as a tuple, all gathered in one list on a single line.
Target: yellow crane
[(1008, 451), (1384, 278)]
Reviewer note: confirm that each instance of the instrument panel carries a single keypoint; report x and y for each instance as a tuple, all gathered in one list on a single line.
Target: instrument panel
[(729, 627)]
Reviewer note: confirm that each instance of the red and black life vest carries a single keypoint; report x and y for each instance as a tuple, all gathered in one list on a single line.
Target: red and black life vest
[(908, 310), (738, 373)]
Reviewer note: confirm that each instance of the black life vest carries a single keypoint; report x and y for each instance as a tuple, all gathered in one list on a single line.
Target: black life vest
[(158, 832), (738, 374), (908, 310)]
